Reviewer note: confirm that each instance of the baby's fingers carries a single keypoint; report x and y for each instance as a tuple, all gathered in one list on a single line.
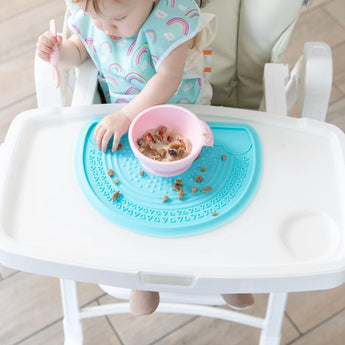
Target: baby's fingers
[(48, 40), (98, 136), (59, 40), (116, 141), (106, 137), (46, 45)]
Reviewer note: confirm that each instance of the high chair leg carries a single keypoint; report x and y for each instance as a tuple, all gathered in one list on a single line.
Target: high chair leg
[(71, 322), (271, 331)]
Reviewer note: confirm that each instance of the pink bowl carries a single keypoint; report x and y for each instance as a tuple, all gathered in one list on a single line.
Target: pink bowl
[(178, 120)]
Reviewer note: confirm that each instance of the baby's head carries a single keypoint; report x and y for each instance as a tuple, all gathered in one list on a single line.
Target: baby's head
[(117, 18)]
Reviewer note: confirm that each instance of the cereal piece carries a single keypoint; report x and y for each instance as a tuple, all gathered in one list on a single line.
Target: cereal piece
[(194, 190), (119, 147), (115, 195), (175, 146), (179, 182), (180, 194), (199, 178), (203, 169), (163, 152), (141, 172), (206, 189), (116, 181), (110, 172), (224, 157), (176, 187), (158, 137), (181, 151), (163, 129), (165, 198), (214, 213)]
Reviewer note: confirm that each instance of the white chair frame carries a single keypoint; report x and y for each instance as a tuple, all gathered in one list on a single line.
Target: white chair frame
[(311, 76), (309, 85)]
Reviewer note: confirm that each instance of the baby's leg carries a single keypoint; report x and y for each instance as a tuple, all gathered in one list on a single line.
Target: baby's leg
[(143, 302), (239, 301)]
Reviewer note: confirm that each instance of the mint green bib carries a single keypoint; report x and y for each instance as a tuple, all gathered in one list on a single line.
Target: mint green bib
[(125, 65)]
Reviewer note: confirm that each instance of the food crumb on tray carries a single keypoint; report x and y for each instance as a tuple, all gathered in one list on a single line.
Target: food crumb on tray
[(115, 195), (199, 178), (207, 189)]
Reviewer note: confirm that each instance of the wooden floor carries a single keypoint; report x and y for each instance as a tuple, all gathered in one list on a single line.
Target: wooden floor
[(30, 309)]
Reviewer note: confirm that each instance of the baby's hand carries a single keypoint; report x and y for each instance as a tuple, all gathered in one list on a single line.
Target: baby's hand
[(113, 125), (46, 44)]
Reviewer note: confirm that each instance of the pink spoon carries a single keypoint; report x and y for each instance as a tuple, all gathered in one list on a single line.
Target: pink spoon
[(54, 57)]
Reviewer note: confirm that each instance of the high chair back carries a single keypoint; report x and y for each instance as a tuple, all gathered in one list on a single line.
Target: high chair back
[(250, 33)]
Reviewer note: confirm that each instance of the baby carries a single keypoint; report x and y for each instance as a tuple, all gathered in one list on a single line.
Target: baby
[(147, 52)]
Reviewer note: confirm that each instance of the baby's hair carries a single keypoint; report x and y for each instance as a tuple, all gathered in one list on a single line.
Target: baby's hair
[(95, 4)]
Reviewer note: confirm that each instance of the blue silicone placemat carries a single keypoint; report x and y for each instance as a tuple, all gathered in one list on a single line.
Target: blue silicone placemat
[(139, 206)]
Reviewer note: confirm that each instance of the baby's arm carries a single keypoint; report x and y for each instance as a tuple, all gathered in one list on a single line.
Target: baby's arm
[(163, 85), (159, 89), (71, 51)]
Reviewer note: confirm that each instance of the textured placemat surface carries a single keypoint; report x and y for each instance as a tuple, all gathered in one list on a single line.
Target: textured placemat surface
[(232, 167)]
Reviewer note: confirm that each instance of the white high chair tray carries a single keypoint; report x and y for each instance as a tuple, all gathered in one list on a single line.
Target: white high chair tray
[(289, 238)]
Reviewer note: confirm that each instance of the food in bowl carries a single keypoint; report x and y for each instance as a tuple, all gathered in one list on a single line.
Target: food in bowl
[(178, 120), (162, 145)]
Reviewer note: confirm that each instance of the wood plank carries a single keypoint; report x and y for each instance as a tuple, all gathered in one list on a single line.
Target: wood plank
[(30, 302), (205, 331), (311, 27), (95, 331), (331, 332), (308, 309), (12, 8), (144, 330), (17, 76), (19, 34)]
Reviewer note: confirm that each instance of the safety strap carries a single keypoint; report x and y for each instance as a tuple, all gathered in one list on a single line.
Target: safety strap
[(207, 63)]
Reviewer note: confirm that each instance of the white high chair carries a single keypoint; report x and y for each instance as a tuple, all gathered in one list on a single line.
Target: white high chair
[(256, 36)]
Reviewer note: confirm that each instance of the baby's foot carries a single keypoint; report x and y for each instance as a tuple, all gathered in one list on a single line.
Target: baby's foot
[(143, 302), (239, 301)]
